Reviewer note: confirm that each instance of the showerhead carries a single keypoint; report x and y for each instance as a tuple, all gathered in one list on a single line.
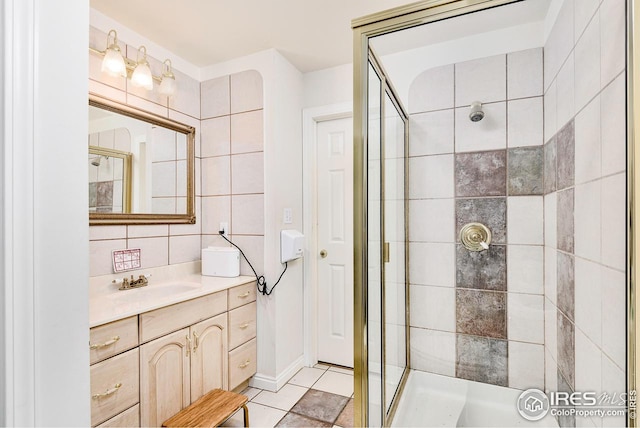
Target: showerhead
[(476, 114), (96, 161)]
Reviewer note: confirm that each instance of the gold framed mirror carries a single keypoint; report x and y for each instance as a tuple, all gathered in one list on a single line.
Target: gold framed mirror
[(141, 166)]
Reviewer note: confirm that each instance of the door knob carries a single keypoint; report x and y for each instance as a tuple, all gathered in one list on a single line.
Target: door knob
[(323, 253)]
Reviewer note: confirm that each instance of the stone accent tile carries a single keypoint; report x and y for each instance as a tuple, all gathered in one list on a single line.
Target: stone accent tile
[(104, 194), (93, 194), (550, 156), (481, 313), (346, 417), (295, 420), (492, 212), (566, 285), (320, 405), (566, 349), (485, 270), (566, 153), (565, 221), (563, 386), (526, 166), (481, 173), (482, 359)]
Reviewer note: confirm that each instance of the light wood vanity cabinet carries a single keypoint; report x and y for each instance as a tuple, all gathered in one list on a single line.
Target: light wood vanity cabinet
[(185, 350)]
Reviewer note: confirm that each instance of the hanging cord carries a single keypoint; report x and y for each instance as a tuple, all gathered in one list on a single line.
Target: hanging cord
[(261, 282)]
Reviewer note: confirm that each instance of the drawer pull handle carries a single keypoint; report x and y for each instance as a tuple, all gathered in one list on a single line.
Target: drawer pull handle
[(244, 326), (245, 364), (244, 295), (196, 342), (113, 340), (107, 393)]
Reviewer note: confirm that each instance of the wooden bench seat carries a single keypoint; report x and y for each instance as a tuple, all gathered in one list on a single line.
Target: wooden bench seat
[(210, 410)]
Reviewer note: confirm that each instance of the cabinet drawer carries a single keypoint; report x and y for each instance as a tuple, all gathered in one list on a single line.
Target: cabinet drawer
[(115, 386), (241, 295), (242, 325), (128, 418), (113, 338), (242, 363), (165, 320)]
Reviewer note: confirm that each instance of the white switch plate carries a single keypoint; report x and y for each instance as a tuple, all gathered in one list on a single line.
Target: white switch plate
[(288, 216)]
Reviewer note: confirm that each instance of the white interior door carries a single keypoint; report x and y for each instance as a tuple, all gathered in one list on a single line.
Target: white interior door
[(335, 241)]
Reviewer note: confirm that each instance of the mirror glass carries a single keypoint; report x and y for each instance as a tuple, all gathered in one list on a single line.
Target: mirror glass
[(141, 166)]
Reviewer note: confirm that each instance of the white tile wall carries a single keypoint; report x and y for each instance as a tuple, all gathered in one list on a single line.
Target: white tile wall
[(216, 137), (614, 228), (216, 176), (431, 177), (612, 40), (488, 134), (432, 220), (525, 269), (588, 364), (587, 63), (481, 80), (432, 264), (433, 308), (215, 97), (218, 209), (613, 380), (613, 314), (247, 173), (587, 133), (247, 132), (524, 73), (551, 328), (588, 298), (247, 214), (525, 317), (525, 124), (184, 248), (246, 91), (253, 247), (147, 231), (433, 351), (613, 127), (550, 112), (565, 92), (550, 372), (524, 219), (526, 365), (431, 133), (153, 251), (432, 90), (587, 218), (550, 273), (551, 220), (560, 42), (187, 97), (583, 13), (100, 255)]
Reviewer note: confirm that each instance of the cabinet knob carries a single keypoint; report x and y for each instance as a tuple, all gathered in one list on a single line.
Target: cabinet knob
[(323, 253)]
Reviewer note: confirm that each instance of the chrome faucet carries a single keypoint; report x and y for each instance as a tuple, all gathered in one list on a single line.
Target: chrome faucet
[(128, 284)]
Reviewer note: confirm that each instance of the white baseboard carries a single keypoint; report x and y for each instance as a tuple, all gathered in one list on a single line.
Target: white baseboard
[(274, 384)]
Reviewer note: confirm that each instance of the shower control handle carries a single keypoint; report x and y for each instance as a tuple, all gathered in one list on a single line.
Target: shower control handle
[(323, 253)]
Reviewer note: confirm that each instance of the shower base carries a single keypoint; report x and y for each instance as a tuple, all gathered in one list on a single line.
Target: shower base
[(431, 400)]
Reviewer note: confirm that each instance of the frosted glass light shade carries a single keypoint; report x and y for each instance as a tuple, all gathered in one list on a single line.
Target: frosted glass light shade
[(113, 63), (142, 77), (168, 85)]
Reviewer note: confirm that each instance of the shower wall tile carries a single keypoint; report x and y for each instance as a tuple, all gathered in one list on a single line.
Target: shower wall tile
[(613, 220), (588, 220), (565, 213), (524, 217), (612, 40), (482, 270), (481, 313), (524, 73), (431, 133), (587, 58), (551, 220), (551, 274), (588, 299), (525, 272), (550, 166), (432, 220), (560, 42), (587, 140), (588, 364), (551, 328), (432, 90), (431, 177), (565, 83), (614, 315), (526, 318), (565, 149), (526, 365), (481, 173), (550, 372), (566, 284), (433, 308), (566, 349), (613, 126), (482, 359), (613, 379), (584, 11), (550, 111), (433, 351), (526, 165), (432, 264), (525, 124), (491, 212), (563, 385), (488, 134), (481, 80)]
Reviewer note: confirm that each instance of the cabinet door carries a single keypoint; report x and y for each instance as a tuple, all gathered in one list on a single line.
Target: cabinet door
[(164, 378), (208, 358)]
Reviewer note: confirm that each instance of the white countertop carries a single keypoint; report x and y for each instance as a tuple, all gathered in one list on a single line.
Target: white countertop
[(167, 286)]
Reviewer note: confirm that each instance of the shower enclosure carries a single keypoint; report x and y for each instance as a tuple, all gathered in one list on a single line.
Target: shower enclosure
[(491, 209)]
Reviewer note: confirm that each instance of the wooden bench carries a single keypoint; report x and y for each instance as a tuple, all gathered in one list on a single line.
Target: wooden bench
[(210, 410)]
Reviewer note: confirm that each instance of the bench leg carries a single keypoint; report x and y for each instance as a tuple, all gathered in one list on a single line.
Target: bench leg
[(246, 415)]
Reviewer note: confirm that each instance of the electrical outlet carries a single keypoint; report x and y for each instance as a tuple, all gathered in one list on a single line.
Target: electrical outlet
[(224, 226), (288, 216)]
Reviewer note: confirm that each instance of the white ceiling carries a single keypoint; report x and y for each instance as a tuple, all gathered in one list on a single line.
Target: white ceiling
[(312, 35)]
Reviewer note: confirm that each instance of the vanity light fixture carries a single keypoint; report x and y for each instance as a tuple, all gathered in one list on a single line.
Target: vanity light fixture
[(116, 65)]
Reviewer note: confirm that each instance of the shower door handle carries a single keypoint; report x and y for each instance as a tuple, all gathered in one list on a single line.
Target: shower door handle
[(323, 253)]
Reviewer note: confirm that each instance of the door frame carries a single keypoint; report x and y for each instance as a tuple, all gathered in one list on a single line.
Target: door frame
[(310, 119)]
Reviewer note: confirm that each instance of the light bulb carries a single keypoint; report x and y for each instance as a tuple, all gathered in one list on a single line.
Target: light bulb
[(168, 85), (141, 76), (113, 63)]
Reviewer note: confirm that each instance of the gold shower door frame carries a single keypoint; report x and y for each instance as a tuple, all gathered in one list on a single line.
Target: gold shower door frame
[(424, 12)]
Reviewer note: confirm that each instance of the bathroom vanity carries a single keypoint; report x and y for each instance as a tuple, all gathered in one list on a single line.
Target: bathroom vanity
[(157, 349)]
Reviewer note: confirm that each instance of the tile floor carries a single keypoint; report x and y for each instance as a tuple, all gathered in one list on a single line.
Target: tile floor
[(319, 396)]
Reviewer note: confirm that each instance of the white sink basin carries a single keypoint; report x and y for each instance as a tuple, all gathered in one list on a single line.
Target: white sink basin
[(154, 292)]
